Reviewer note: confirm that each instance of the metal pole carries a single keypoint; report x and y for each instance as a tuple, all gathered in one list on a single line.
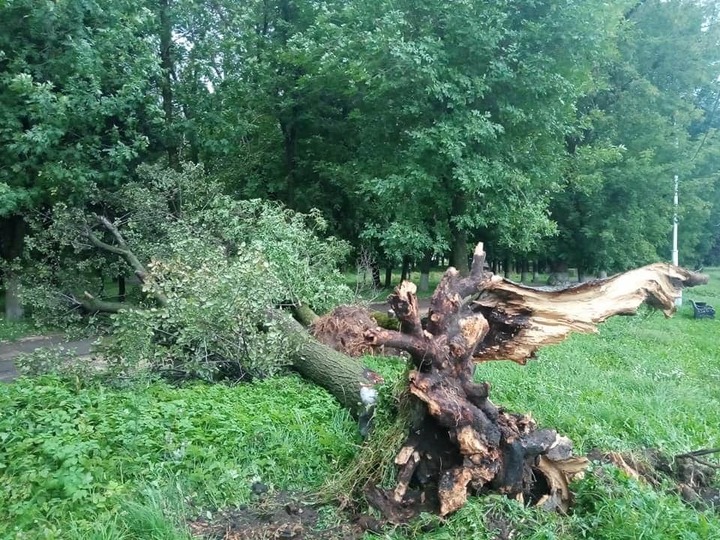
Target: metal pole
[(675, 257), (675, 254)]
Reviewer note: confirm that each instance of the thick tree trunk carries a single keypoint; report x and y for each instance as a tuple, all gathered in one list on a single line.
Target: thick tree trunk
[(425, 266), (459, 256), (122, 289), (525, 271), (375, 271), (167, 64), (13, 306), (344, 377), (405, 272), (388, 277), (558, 273)]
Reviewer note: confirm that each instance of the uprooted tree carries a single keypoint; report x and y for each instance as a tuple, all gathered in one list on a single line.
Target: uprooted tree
[(218, 299)]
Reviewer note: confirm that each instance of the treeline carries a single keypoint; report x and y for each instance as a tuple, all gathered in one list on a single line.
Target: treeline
[(550, 129)]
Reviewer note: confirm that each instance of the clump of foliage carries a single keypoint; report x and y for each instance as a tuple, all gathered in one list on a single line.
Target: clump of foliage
[(214, 268)]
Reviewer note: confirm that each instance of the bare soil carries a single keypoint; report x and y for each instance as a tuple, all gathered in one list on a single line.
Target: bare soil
[(283, 515)]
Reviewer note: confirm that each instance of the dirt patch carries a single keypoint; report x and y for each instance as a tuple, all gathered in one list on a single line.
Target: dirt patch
[(283, 515), (499, 525)]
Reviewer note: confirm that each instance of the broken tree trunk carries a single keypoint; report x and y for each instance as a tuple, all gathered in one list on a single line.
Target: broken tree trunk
[(462, 442), (344, 377)]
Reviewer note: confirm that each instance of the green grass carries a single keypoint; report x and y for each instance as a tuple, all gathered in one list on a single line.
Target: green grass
[(71, 457), (643, 381), (89, 461)]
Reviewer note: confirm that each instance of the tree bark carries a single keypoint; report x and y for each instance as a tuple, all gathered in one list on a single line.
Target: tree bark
[(345, 378), (166, 63), (388, 277), (14, 310), (459, 255), (425, 266), (122, 289), (525, 271), (405, 272)]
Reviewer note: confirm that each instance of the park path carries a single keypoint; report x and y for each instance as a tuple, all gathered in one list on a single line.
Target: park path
[(11, 350)]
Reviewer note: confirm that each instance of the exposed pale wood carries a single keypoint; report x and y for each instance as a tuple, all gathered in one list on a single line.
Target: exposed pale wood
[(453, 489), (405, 305), (525, 319)]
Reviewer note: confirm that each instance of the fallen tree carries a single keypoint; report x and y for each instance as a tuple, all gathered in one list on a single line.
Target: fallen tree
[(218, 299), (459, 441)]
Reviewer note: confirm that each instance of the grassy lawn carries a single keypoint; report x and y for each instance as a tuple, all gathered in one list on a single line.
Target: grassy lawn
[(89, 461)]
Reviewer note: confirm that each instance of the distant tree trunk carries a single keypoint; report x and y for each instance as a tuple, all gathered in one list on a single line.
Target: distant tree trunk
[(290, 143), (375, 270), (535, 271), (602, 274), (558, 273), (460, 254), (166, 63), (506, 268), (406, 268), (12, 243), (525, 271), (425, 266), (121, 288), (388, 277)]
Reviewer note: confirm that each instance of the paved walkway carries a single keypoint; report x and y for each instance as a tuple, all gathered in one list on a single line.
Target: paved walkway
[(9, 351)]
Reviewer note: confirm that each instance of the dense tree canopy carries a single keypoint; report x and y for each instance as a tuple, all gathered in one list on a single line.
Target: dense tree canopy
[(549, 129)]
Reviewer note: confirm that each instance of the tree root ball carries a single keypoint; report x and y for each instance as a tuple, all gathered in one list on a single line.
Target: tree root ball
[(344, 330)]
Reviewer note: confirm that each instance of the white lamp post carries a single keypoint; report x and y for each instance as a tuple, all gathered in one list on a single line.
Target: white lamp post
[(675, 255)]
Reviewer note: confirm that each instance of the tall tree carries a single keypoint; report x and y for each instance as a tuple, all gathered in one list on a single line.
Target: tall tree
[(76, 108), (641, 129), (463, 112)]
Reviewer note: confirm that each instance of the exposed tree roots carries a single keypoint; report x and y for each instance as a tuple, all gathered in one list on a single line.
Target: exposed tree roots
[(462, 443)]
